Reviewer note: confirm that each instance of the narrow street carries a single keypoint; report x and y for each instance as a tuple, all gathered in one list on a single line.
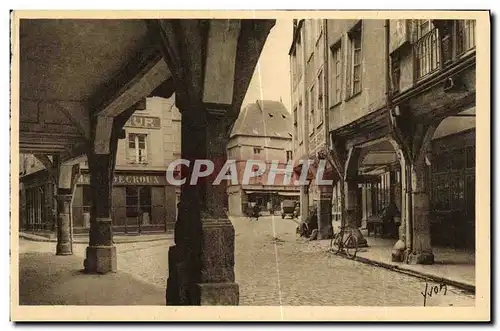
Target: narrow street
[(274, 267)]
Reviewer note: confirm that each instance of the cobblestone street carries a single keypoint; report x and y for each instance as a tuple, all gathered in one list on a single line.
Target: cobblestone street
[(274, 267)]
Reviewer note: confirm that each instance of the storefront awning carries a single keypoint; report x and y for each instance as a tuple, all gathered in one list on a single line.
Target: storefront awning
[(286, 194)]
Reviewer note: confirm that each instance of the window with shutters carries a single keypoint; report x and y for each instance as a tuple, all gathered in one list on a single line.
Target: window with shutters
[(295, 125), (466, 35), (311, 100), (335, 74), (300, 121), (355, 70), (319, 108), (137, 152)]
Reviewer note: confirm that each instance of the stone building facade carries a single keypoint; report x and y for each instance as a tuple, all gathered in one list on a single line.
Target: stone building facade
[(262, 132), (399, 100), (143, 201)]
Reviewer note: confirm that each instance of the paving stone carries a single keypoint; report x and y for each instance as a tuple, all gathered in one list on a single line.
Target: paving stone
[(273, 265)]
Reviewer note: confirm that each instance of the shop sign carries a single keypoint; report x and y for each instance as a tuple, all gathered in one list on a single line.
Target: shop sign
[(144, 122), (129, 180)]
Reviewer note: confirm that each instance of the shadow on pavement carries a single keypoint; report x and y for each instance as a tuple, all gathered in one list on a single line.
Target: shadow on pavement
[(47, 279)]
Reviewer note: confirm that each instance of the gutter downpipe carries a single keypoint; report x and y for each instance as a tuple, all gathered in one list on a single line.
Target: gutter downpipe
[(409, 190)]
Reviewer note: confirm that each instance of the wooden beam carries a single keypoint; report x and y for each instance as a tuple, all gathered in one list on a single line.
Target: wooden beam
[(363, 138), (220, 63), (182, 44), (29, 135), (141, 76), (45, 160), (36, 149), (253, 35), (47, 128), (48, 140)]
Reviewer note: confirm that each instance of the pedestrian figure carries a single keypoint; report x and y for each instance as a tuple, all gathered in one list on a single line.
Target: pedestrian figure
[(256, 211)]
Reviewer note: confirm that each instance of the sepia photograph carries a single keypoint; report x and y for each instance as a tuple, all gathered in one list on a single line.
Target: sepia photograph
[(280, 165)]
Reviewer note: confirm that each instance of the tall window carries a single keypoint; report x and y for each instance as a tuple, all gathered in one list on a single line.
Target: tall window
[(466, 35), (310, 36), (335, 74), (312, 98), (301, 121), (257, 150), (310, 70), (137, 149), (395, 71), (289, 156), (318, 28), (298, 59), (319, 108), (355, 60), (421, 28), (427, 48), (293, 63), (295, 125)]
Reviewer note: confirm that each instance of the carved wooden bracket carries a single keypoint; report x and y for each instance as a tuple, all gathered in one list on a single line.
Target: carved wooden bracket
[(412, 137)]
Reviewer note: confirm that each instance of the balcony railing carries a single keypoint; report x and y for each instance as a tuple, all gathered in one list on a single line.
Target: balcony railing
[(427, 54), (442, 46)]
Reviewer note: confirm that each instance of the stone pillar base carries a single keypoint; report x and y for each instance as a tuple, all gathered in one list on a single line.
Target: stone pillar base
[(64, 249), (421, 258), (325, 233), (215, 294), (325, 228), (361, 240), (217, 251), (101, 259), (398, 251), (178, 279), (172, 292), (215, 285)]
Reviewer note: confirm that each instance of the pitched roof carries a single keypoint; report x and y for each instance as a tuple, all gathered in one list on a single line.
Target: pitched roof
[(264, 118)]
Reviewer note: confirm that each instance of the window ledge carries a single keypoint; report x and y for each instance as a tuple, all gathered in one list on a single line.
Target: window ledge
[(336, 104), (353, 96)]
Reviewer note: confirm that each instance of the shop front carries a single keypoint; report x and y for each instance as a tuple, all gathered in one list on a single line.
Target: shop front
[(268, 200), (37, 203), (452, 194), (141, 202)]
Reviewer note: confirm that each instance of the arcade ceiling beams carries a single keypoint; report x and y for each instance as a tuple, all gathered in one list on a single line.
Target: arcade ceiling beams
[(143, 75), (181, 43), (211, 61), (52, 126)]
